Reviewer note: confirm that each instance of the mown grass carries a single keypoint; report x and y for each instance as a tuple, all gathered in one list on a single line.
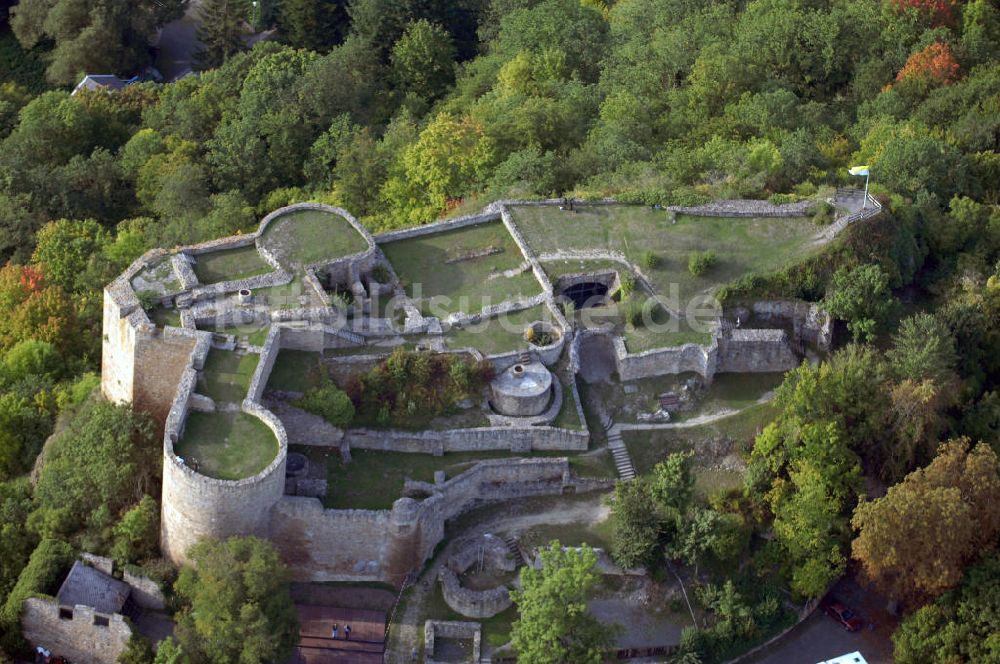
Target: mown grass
[(227, 375), (229, 264), (226, 445), (295, 371), (742, 245), (302, 237), (373, 480), (465, 285), (501, 334)]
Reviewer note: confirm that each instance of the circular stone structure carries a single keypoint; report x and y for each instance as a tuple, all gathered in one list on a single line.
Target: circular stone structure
[(523, 390)]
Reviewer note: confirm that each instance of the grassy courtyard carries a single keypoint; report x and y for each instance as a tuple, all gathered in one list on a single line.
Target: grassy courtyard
[(226, 445), (227, 375), (461, 269), (500, 334), (742, 244), (302, 237), (295, 371), (230, 264), (374, 479)]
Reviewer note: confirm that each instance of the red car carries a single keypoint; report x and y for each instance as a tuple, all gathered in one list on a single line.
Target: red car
[(842, 615)]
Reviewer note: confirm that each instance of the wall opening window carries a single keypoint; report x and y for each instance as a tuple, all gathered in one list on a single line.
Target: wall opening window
[(65, 614), (101, 621)]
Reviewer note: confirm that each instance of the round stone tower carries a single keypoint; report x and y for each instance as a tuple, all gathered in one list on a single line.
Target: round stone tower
[(197, 507)]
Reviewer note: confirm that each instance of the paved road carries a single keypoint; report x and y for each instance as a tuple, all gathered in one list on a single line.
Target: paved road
[(179, 43), (819, 638)]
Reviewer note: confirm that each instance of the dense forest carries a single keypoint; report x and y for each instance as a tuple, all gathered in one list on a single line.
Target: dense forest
[(407, 111)]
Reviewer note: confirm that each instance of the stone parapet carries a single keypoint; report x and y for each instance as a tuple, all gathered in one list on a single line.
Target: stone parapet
[(482, 439)]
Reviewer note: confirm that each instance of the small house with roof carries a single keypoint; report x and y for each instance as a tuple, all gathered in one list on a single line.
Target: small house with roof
[(86, 621), (101, 82)]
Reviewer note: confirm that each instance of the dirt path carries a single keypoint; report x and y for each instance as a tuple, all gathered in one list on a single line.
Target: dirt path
[(508, 517), (698, 421)]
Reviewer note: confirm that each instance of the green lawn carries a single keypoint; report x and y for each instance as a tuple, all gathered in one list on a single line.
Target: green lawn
[(229, 264), (374, 479), (647, 448), (227, 445), (466, 285), (568, 417), (295, 371), (227, 375), (501, 334), (302, 237), (742, 245)]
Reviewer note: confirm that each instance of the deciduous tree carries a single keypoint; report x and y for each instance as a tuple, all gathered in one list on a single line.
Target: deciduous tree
[(237, 606), (915, 541), (553, 624)]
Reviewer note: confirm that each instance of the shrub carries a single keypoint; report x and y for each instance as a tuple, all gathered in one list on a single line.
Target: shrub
[(823, 213), (650, 260), (632, 312), (626, 286), (380, 273), (700, 262), (147, 300), (42, 574), (781, 199), (409, 389), (537, 338), (329, 402)]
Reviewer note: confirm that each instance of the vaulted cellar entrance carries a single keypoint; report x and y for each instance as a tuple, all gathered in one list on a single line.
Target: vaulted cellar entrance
[(586, 294)]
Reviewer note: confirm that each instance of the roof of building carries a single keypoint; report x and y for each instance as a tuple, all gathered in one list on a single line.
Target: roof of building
[(850, 658), (92, 587), (99, 81)]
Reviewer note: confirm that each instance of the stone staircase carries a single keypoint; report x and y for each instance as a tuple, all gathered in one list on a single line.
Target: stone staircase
[(515, 550), (623, 462), (524, 357)]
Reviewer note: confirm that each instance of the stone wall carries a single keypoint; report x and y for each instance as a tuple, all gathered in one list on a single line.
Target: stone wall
[(451, 629), (755, 351), (305, 428), (79, 639), (481, 439), (146, 593), (662, 361), (746, 208), (810, 323), (193, 506), (385, 545), (472, 603), (489, 214)]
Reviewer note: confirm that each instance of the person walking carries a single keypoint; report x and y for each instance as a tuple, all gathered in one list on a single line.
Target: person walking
[(347, 632), (334, 631)]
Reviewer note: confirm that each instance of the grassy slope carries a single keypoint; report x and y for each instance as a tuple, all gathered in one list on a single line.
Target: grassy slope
[(742, 245), (647, 448)]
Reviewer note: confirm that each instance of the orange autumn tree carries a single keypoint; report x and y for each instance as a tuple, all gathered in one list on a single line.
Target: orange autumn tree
[(934, 65), (32, 308)]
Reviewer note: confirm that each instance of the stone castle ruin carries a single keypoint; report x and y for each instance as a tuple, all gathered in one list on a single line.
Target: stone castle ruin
[(313, 280)]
